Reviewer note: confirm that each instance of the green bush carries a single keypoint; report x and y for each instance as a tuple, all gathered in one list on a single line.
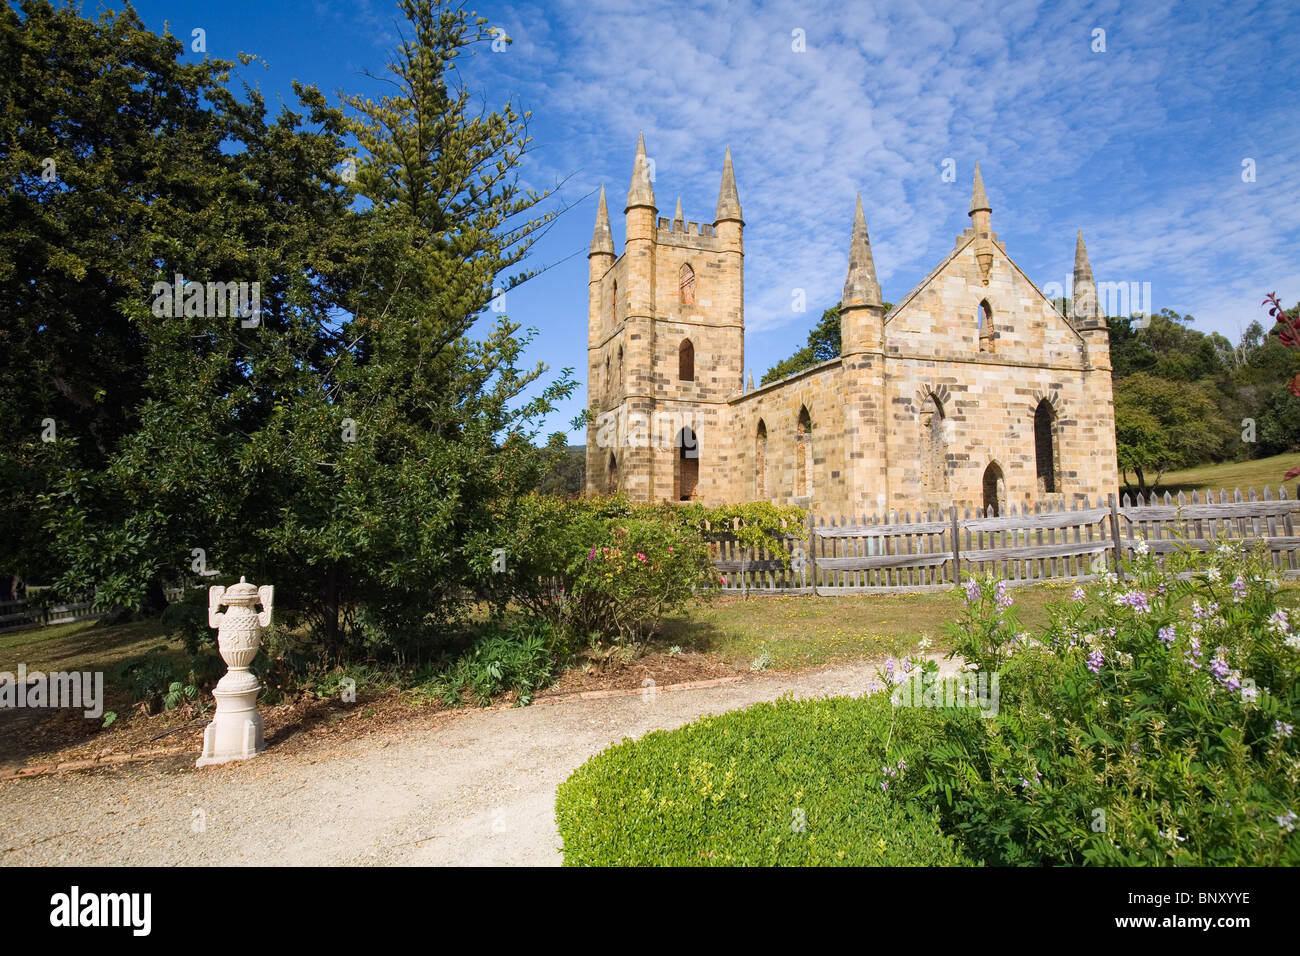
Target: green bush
[(608, 569), (1152, 724), (521, 657), (784, 783), (595, 568)]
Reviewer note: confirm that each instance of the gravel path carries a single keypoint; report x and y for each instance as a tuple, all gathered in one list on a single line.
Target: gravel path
[(471, 789)]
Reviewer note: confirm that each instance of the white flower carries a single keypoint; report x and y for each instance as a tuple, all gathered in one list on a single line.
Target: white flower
[(924, 643), (1142, 547), (1212, 574)]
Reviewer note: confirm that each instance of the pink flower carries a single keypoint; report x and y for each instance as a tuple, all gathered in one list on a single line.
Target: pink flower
[(640, 557), (670, 549)]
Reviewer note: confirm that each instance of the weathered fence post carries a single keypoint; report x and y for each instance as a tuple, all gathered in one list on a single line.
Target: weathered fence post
[(744, 584), (956, 547), (810, 565), (1114, 535)]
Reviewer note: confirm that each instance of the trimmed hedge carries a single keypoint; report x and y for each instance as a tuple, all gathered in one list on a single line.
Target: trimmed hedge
[(790, 783)]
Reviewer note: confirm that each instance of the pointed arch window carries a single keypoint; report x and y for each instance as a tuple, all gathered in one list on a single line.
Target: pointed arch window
[(686, 284), (686, 361), (995, 490), (613, 303), (1045, 447), (933, 444), (760, 462), (611, 474), (803, 458)]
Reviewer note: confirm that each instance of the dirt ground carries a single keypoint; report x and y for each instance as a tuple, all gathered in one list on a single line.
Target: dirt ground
[(461, 788)]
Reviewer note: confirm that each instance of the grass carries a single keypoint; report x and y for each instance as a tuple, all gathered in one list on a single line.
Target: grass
[(807, 632), (1257, 474), (82, 645)]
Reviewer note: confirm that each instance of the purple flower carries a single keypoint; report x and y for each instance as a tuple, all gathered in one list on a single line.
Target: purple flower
[(1166, 635), (1004, 599), (1238, 589), (1137, 600), (1283, 729), (972, 591), (1218, 667), (1095, 660), (889, 668), (1078, 594)]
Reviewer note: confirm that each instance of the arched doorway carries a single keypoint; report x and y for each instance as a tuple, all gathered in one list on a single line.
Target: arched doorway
[(688, 465), (995, 489)]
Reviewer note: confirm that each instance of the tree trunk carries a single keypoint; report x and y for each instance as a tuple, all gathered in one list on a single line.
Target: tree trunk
[(332, 610)]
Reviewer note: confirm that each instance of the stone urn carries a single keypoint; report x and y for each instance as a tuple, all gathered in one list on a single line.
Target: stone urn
[(236, 731)]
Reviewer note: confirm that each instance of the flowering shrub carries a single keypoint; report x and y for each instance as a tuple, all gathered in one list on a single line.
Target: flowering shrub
[(640, 567), (596, 568), (1153, 723), (987, 625)]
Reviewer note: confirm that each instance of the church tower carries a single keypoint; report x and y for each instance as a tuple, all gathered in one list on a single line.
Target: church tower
[(667, 319)]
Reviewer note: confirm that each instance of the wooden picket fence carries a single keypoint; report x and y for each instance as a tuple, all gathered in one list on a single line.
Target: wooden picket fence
[(29, 613), (931, 551)]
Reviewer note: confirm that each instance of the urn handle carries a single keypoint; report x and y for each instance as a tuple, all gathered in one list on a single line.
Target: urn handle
[(265, 594), (215, 594)]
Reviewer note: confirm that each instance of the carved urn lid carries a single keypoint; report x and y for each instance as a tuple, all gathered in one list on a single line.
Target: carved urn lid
[(242, 594)]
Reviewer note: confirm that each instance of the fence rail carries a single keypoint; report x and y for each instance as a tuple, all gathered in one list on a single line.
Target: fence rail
[(932, 550), (30, 613)]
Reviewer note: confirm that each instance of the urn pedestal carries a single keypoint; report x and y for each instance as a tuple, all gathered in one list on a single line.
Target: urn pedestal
[(237, 730)]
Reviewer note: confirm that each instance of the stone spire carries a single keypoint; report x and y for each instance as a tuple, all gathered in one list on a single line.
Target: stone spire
[(677, 216), (860, 286), (641, 193), (602, 239), (749, 387), (728, 198), (981, 220), (979, 200), (1085, 309)]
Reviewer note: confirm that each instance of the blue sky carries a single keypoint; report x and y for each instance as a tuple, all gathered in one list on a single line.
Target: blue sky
[(1140, 145)]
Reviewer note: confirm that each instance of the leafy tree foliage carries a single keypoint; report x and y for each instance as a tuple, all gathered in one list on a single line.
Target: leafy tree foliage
[(345, 445)]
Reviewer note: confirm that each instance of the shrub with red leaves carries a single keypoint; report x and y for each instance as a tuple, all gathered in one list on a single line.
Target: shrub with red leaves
[(1288, 333)]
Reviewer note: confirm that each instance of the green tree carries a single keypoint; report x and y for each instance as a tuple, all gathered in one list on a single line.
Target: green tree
[(347, 446), (823, 344), (110, 160), (1161, 424)]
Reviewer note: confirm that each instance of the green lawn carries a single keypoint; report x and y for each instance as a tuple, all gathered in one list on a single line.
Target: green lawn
[(807, 631), (1256, 474), (79, 646)]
